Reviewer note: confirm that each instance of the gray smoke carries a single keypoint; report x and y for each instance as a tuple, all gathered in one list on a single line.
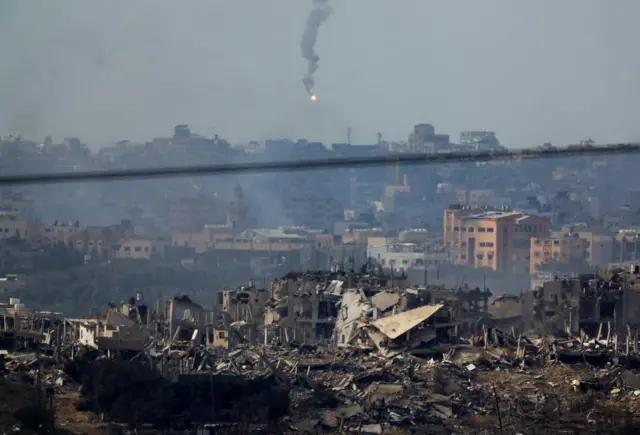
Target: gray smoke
[(318, 15)]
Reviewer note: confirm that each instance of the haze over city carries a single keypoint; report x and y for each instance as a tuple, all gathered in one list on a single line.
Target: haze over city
[(319, 216), (543, 71)]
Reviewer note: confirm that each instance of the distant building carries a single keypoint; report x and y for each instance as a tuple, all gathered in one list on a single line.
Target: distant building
[(567, 249), (93, 241), (60, 233), (403, 256), (425, 140), (203, 240), (480, 140), (499, 240), (137, 247)]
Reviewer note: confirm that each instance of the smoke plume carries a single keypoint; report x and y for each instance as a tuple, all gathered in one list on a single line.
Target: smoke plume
[(318, 15)]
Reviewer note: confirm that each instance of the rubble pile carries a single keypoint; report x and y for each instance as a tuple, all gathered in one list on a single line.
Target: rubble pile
[(347, 352), (469, 390)]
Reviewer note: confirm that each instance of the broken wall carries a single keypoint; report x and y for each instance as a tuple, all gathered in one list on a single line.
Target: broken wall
[(352, 307)]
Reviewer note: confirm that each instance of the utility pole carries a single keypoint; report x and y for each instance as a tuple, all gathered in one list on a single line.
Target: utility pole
[(349, 135)]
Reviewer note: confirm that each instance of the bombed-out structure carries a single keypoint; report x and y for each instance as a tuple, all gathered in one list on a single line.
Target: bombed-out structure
[(599, 304)]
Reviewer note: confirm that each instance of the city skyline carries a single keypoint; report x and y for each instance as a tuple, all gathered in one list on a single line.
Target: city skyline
[(545, 72)]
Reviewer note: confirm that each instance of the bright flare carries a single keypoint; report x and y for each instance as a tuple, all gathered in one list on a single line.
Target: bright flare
[(313, 97)]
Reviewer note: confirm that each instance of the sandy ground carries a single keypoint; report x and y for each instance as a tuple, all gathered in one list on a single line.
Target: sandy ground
[(72, 421)]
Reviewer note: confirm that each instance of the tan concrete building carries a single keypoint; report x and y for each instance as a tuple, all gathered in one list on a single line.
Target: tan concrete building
[(499, 240), (204, 240), (137, 247), (562, 249)]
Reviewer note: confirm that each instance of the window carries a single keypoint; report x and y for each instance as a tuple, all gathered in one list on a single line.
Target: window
[(486, 244), (537, 242), (526, 228), (463, 229), (146, 249), (405, 261), (536, 254), (137, 249), (471, 229), (481, 229), (463, 257), (127, 248), (490, 257), (480, 256), (489, 230), (456, 228)]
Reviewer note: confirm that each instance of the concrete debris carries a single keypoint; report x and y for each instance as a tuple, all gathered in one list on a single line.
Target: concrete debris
[(337, 352)]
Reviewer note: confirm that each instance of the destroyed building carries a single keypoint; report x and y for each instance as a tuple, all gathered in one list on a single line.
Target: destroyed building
[(241, 311), (348, 351), (118, 329), (305, 306), (21, 326), (596, 304)]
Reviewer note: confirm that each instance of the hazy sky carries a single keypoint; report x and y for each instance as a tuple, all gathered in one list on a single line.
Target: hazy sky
[(536, 71)]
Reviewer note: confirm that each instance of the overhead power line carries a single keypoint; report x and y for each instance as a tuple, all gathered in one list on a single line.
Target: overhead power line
[(317, 164)]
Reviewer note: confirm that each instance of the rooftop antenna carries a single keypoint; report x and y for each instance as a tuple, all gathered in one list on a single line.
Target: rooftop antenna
[(349, 135), (379, 136)]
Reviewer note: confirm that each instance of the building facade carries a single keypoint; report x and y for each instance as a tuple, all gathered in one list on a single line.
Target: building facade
[(499, 240), (568, 249)]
